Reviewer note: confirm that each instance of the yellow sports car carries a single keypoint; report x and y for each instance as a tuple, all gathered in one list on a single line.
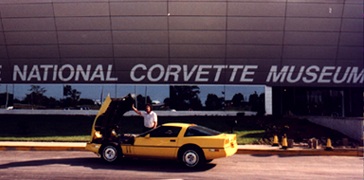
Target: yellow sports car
[(191, 144)]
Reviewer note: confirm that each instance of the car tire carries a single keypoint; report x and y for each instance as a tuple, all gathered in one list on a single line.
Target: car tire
[(110, 153), (191, 157)]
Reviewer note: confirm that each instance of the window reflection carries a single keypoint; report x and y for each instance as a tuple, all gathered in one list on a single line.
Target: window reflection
[(162, 97)]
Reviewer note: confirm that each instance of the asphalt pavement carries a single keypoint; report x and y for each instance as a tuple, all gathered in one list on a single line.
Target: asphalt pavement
[(242, 149)]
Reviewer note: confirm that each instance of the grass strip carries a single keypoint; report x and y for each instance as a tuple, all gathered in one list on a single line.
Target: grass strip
[(249, 136)]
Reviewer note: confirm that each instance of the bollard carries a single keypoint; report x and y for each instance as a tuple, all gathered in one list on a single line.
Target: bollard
[(275, 140), (284, 142), (328, 145), (313, 143)]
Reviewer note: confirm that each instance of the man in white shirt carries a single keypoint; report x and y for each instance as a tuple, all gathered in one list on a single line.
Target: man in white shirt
[(150, 117)]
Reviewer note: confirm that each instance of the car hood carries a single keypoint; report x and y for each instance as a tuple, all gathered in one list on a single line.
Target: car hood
[(110, 112)]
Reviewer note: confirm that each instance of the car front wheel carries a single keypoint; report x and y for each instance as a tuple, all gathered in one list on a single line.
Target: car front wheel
[(110, 153), (191, 157)]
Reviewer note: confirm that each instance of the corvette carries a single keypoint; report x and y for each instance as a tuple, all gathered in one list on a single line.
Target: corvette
[(190, 144)]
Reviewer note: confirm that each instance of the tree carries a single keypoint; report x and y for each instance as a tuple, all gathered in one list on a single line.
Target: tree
[(37, 90), (261, 105), (71, 93), (72, 96), (36, 96), (89, 102), (213, 102), (52, 102), (142, 101), (254, 101), (185, 98), (238, 100)]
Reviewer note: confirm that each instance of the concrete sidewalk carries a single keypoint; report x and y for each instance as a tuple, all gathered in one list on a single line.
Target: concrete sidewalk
[(298, 151), (242, 149), (39, 146)]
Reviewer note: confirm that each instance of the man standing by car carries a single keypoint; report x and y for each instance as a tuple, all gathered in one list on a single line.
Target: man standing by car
[(150, 117)]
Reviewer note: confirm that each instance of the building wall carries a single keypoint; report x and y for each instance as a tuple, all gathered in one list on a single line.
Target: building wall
[(273, 42)]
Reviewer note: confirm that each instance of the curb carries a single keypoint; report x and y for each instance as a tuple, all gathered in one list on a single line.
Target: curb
[(303, 152), (41, 146), (49, 146)]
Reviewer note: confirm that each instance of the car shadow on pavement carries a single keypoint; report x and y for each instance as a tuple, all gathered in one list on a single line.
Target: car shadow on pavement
[(125, 164)]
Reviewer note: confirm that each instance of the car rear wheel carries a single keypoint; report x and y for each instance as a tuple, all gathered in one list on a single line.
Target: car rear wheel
[(110, 153), (191, 157)]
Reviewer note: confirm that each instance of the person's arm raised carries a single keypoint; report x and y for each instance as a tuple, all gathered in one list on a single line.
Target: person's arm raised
[(136, 110)]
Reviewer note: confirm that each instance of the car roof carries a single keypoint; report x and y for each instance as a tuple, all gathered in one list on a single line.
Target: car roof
[(179, 124)]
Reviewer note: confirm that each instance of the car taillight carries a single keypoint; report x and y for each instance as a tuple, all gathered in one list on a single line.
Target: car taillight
[(232, 144)]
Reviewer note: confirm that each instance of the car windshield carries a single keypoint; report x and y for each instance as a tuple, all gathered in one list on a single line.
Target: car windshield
[(201, 131)]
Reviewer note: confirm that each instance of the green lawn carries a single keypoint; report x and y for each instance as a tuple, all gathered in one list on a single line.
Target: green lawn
[(249, 136)]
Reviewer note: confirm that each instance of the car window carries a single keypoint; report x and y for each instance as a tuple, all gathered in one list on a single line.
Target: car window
[(200, 131), (165, 131)]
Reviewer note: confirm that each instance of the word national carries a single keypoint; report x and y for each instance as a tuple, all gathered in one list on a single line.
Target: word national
[(63, 73)]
